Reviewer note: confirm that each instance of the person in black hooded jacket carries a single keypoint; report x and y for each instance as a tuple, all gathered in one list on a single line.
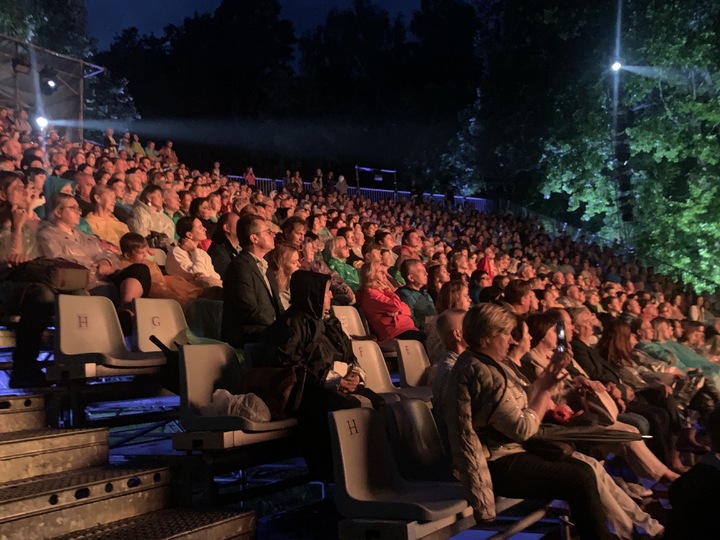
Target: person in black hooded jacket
[(309, 335)]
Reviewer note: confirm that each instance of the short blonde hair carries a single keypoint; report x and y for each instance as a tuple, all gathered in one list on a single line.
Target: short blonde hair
[(485, 321)]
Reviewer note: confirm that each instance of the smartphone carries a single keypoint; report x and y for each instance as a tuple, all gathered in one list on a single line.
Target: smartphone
[(561, 337)]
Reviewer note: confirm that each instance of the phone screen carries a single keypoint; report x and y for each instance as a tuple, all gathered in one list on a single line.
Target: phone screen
[(561, 338)]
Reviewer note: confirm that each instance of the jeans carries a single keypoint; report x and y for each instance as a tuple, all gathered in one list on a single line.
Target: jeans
[(525, 475)]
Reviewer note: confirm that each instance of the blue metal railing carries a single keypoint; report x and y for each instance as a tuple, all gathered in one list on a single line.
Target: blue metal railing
[(266, 185)]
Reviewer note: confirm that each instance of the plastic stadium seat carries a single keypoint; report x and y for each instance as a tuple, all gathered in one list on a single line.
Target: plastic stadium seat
[(350, 320), (162, 318), (377, 376), (354, 327), (204, 369), (89, 334), (368, 484), (413, 363), (416, 441)]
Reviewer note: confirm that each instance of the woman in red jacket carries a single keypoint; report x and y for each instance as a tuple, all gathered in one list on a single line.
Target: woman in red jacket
[(387, 315)]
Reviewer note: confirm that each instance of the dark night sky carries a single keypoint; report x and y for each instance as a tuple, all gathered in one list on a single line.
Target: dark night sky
[(107, 18)]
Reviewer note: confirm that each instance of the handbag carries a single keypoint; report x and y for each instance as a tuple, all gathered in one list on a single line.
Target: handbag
[(281, 388), (601, 405), (58, 274)]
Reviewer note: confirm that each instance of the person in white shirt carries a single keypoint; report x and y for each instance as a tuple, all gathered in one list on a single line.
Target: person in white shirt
[(187, 259)]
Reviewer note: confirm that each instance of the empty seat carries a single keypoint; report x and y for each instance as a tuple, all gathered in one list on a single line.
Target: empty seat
[(204, 369), (413, 363), (377, 376), (162, 318), (368, 484), (416, 441), (89, 334)]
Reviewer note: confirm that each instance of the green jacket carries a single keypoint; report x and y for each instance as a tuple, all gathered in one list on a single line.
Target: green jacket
[(348, 274)]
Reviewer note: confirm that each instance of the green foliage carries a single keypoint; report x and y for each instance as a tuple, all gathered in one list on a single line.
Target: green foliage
[(673, 119)]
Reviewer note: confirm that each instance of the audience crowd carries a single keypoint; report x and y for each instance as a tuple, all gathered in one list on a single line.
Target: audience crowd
[(146, 225)]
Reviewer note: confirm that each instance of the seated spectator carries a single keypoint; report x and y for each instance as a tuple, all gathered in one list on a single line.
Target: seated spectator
[(600, 369), (121, 210), (135, 250), (311, 260), (437, 277), (293, 231), (388, 316), (102, 220), (349, 235), (171, 204), (386, 240), (252, 299), (336, 254), (479, 280), (453, 295), (284, 261), (520, 297), (414, 292), (148, 218), (409, 247), (200, 208), (449, 332), (477, 385), (308, 334), (34, 302), (187, 260), (394, 275), (225, 245), (133, 186), (84, 182), (60, 238)]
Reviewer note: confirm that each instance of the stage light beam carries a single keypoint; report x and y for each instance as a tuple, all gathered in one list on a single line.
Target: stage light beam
[(42, 122), (617, 66)]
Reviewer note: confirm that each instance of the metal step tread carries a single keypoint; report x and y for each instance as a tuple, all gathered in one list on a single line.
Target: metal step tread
[(44, 433), (174, 523), (51, 483)]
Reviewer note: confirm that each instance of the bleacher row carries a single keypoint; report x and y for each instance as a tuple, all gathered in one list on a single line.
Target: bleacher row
[(392, 476)]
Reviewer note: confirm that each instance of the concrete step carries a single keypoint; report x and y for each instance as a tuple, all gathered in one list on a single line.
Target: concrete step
[(175, 524), (55, 505), (21, 413), (25, 454)]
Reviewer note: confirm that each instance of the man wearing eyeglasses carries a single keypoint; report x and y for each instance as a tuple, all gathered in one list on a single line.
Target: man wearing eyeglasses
[(251, 292)]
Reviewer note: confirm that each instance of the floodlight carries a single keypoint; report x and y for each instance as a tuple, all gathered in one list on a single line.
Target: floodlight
[(48, 80), (617, 66), (42, 122)]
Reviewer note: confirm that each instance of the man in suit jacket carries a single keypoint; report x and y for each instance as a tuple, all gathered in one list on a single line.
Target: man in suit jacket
[(251, 292)]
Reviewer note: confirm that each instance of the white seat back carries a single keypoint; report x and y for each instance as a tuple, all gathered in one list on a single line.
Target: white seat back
[(370, 358), (350, 320), (368, 484), (362, 458), (88, 324), (204, 369), (161, 317), (413, 363)]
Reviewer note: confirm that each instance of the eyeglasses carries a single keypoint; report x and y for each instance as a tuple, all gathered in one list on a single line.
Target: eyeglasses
[(74, 208)]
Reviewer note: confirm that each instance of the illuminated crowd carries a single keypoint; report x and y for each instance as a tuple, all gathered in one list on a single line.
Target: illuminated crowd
[(147, 225)]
